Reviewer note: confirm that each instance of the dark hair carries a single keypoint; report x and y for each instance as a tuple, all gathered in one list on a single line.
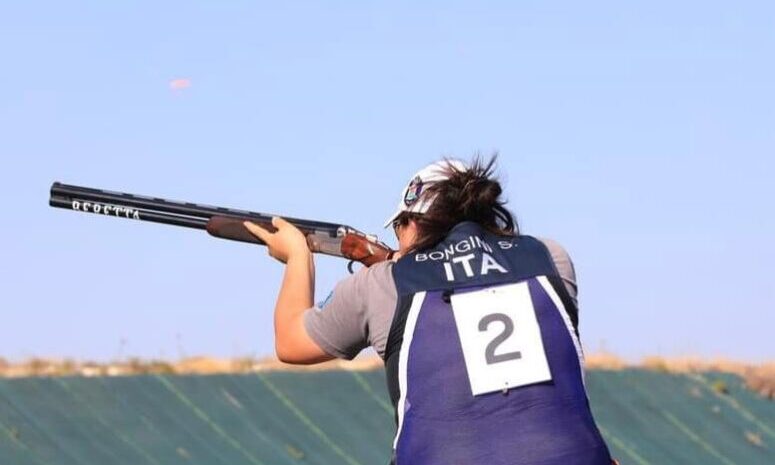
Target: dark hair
[(471, 194)]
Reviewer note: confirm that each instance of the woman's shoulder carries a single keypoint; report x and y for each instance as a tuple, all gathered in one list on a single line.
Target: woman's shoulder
[(563, 263), (555, 248), (365, 279), (380, 274)]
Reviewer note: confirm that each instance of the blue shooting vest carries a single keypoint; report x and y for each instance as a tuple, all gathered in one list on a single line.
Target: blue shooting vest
[(440, 421)]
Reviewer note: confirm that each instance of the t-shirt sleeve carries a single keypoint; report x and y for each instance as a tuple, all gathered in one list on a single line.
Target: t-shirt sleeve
[(339, 325), (564, 266)]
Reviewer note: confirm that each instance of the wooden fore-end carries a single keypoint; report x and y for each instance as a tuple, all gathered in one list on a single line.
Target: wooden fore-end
[(232, 228), (360, 248)]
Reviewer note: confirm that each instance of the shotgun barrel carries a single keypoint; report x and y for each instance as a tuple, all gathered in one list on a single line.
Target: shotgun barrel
[(227, 223)]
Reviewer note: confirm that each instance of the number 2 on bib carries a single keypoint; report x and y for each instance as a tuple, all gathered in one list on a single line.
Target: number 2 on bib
[(500, 338)]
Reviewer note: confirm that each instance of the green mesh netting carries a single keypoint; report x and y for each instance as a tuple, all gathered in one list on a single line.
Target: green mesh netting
[(345, 418)]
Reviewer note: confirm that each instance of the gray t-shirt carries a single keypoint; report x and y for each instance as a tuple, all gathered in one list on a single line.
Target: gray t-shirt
[(359, 311)]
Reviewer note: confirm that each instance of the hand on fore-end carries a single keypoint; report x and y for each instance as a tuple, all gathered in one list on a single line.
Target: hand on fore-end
[(288, 243)]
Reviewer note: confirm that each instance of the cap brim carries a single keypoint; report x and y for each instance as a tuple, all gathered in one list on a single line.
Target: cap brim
[(393, 218)]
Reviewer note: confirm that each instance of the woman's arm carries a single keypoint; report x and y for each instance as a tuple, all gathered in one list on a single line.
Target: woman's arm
[(297, 292)]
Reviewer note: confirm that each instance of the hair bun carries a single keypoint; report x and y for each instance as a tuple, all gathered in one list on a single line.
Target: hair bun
[(480, 195), (488, 191)]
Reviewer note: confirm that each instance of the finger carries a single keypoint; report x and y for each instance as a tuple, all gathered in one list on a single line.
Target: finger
[(282, 223), (278, 222), (258, 231)]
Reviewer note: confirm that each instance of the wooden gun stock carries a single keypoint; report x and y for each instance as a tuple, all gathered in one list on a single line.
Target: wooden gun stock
[(364, 249)]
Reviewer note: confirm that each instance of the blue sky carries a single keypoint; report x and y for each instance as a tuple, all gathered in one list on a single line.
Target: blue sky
[(640, 136)]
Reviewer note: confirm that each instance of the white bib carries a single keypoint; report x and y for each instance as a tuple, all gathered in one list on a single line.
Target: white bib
[(500, 337)]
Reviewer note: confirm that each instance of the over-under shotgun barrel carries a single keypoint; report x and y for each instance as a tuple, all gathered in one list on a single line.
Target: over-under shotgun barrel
[(120, 211), (177, 213), (67, 191)]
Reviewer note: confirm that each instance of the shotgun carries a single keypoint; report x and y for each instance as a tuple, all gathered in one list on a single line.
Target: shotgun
[(334, 239)]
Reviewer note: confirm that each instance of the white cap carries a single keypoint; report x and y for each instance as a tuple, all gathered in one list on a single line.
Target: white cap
[(412, 199)]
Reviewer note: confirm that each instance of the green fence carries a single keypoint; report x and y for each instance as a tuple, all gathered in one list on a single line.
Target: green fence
[(345, 418)]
